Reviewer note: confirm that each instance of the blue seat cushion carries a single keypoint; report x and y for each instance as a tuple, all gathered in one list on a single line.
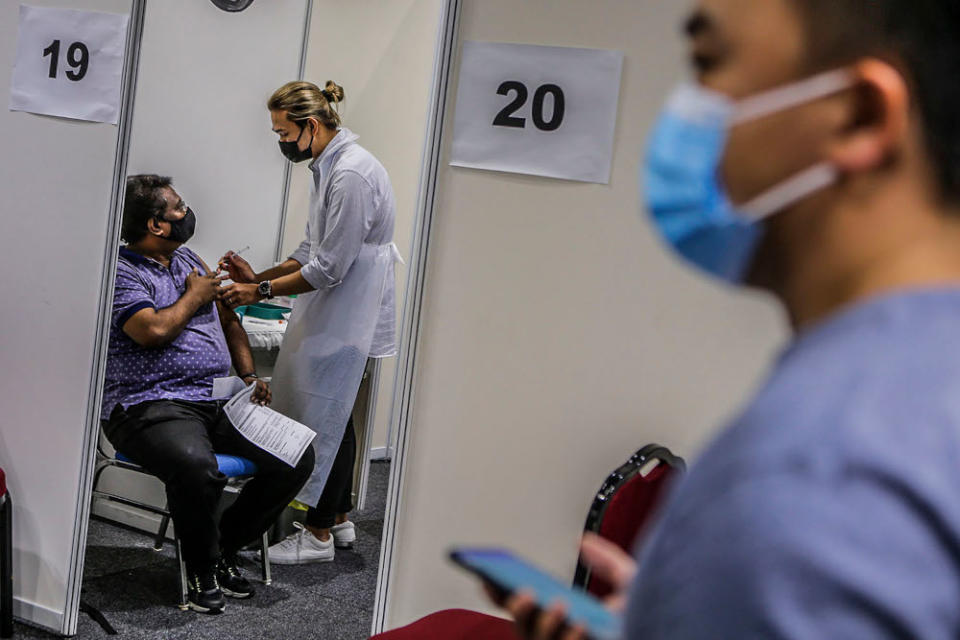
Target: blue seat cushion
[(230, 466)]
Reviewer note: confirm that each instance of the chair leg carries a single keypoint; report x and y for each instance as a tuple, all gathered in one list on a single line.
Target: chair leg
[(183, 577), (265, 557), (6, 567), (162, 531)]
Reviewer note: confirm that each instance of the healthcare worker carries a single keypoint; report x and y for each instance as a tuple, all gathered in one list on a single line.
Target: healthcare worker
[(343, 273), (818, 157)]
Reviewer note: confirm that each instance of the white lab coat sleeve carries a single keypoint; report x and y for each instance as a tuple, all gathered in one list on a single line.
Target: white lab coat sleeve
[(302, 253), (350, 211)]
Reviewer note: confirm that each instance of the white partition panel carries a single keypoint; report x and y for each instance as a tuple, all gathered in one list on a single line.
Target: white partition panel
[(554, 334), (200, 115), (56, 177)]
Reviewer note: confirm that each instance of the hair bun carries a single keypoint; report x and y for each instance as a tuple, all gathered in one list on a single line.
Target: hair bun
[(332, 92)]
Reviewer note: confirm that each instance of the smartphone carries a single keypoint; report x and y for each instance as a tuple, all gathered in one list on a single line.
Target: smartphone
[(507, 572)]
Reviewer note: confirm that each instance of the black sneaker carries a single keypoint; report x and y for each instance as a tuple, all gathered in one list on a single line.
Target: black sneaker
[(203, 593), (231, 580)]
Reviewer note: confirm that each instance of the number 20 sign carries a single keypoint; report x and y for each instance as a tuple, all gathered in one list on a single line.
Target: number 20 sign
[(69, 63), (546, 111)]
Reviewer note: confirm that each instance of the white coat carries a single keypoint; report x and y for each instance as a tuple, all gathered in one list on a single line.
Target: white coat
[(348, 256)]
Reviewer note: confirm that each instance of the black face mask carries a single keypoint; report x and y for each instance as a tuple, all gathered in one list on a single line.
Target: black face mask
[(293, 152), (182, 230)]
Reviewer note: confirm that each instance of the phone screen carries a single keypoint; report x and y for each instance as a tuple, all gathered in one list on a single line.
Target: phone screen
[(510, 573)]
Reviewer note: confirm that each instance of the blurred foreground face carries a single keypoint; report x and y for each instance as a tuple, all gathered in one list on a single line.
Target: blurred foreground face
[(742, 48), (748, 142)]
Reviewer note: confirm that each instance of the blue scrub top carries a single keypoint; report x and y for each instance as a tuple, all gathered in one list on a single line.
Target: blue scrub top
[(831, 507)]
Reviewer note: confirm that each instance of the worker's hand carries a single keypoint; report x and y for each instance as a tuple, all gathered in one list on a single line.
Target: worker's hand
[(261, 393), (237, 268), (235, 295), (605, 559), (206, 288)]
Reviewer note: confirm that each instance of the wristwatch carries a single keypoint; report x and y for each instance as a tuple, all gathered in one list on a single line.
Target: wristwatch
[(265, 289)]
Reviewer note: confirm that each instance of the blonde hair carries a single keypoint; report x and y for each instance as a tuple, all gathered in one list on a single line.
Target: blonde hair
[(302, 100)]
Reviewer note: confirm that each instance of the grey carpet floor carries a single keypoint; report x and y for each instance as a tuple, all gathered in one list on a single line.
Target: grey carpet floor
[(136, 588)]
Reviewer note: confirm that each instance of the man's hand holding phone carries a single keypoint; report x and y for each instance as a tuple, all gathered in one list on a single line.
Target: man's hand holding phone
[(605, 559)]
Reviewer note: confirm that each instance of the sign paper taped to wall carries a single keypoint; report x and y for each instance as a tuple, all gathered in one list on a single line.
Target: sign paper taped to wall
[(546, 111), (69, 63)]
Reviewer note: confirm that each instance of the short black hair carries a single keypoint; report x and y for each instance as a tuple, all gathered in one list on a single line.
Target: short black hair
[(921, 38), (144, 200)]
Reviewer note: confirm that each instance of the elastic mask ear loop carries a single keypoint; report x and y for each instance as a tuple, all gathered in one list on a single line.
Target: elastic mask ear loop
[(790, 191), (796, 94), (806, 182), (312, 134)]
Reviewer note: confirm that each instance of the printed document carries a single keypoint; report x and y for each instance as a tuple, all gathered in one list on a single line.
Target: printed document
[(268, 429)]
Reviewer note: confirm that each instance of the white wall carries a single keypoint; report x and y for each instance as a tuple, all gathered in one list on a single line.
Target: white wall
[(559, 336), (200, 115), (382, 54), (56, 177)]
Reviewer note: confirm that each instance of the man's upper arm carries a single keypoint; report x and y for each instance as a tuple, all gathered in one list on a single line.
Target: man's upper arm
[(791, 556), (131, 296), (227, 316)]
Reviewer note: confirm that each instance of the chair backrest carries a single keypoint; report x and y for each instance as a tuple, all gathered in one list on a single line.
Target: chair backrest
[(3, 484), (624, 504)]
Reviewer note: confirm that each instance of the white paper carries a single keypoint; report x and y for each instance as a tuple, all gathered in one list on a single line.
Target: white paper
[(87, 66), (270, 430), (227, 387), (580, 147)]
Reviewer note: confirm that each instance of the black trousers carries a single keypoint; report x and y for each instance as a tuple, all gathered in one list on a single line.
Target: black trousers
[(175, 440), (337, 493)]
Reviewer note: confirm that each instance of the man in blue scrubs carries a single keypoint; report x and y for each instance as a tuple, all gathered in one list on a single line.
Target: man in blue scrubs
[(830, 508)]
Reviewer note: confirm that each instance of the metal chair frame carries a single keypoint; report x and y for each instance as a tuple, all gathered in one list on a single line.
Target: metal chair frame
[(619, 478), (106, 461)]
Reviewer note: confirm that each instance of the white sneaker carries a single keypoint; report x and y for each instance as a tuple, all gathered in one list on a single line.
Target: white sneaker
[(344, 535), (301, 547)]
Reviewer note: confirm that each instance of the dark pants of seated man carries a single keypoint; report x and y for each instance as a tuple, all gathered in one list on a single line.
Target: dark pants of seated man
[(175, 440)]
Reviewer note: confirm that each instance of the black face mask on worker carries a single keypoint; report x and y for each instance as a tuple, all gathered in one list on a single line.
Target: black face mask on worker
[(292, 151), (182, 230)]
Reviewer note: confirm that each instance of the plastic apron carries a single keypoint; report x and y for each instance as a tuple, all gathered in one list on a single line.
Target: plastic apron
[(324, 354)]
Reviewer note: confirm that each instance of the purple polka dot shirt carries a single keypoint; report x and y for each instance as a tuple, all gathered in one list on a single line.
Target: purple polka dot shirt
[(181, 370)]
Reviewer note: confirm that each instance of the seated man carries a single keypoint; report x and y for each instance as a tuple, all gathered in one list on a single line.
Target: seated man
[(169, 339)]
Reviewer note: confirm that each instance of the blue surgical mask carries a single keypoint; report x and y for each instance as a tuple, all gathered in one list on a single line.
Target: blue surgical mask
[(681, 176)]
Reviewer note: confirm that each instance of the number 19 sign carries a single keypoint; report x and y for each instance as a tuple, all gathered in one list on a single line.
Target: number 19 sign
[(546, 111), (69, 63)]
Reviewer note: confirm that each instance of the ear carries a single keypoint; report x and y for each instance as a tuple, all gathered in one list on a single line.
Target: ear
[(877, 123), (314, 125), (153, 227)]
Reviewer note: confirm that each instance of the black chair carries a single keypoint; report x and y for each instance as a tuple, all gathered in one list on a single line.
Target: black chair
[(234, 467), (6, 560)]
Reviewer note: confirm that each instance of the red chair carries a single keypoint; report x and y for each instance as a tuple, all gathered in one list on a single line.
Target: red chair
[(620, 512), (625, 504), (453, 624), (6, 560)]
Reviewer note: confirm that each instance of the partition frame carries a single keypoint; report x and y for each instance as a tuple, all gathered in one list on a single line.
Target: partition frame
[(404, 392), (288, 169), (101, 342)]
